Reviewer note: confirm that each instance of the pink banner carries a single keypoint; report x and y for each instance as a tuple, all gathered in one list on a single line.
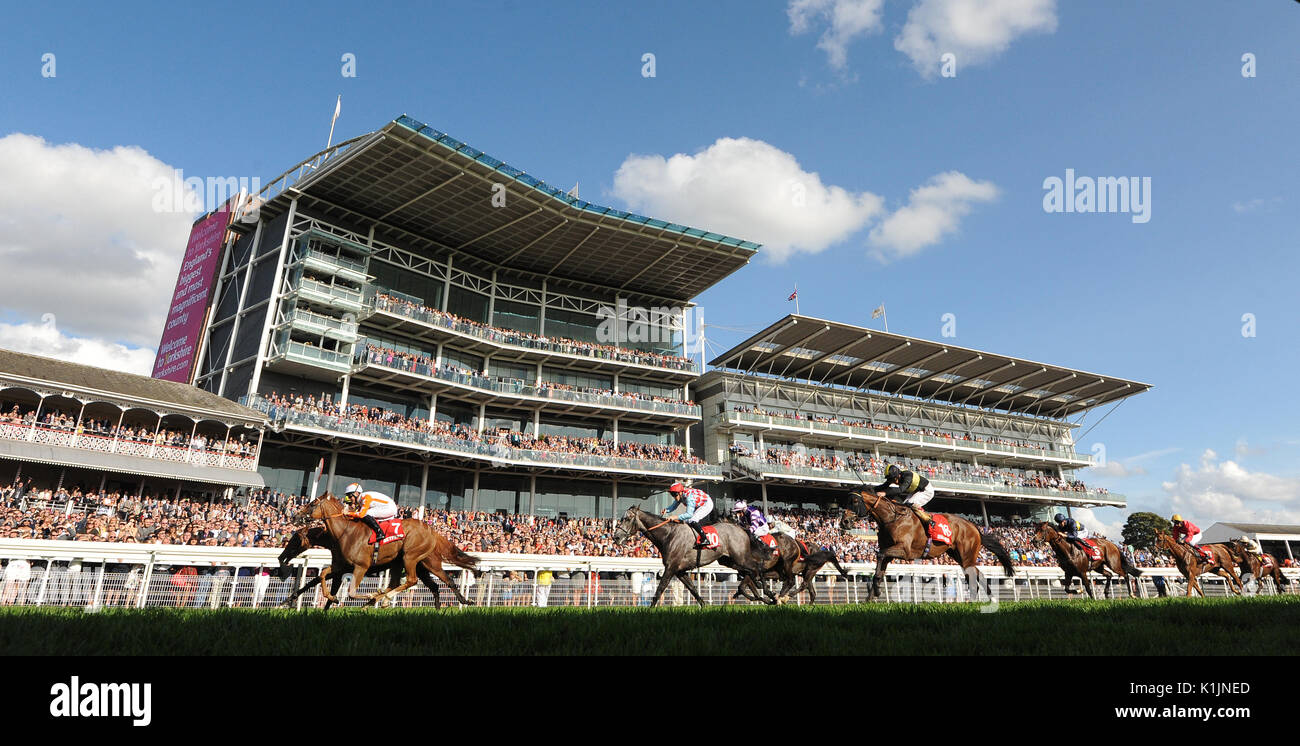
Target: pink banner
[(181, 333)]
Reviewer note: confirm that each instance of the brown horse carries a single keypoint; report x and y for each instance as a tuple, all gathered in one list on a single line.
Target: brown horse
[(1076, 564), (900, 535), (1192, 565), (419, 547), (318, 536), (791, 562), (1259, 566)]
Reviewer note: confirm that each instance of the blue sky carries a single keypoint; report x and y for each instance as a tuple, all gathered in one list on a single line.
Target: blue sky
[(1103, 88)]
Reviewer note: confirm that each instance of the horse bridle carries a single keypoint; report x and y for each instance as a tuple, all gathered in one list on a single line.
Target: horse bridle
[(876, 501)]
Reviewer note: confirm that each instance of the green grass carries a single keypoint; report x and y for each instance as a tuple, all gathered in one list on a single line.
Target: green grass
[(1250, 626)]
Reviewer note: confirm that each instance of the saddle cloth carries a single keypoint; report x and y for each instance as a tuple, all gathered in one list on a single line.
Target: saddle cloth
[(392, 531), (710, 537), (1091, 549), (940, 531), (770, 541)]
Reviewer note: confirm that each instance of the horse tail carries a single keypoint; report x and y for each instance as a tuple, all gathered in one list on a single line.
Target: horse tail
[(991, 543), (1127, 565), (830, 557), (461, 559)]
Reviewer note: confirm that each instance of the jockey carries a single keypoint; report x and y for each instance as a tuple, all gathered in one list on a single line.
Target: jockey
[(914, 488), (752, 519), (375, 507), (696, 501), (1072, 529), (1186, 532)]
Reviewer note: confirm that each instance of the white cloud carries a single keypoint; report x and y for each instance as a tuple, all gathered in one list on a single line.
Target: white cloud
[(934, 211), (45, 339), (1217, 490), (1114, 470), (975, 31), (81, 240), (845, 21), (1259, 204), (1113, 530), (748, 189)]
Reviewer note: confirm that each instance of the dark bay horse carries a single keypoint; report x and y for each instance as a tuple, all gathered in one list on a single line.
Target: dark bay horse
[(791, 563), (1076, 564), (901, 535), (1192, 565), (420, 547), (676, 544), (1259, 566)]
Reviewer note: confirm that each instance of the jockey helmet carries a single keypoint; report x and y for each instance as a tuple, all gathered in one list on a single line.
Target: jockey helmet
[(1060, 518), (739, 506), (677, 487), (892, 472), (352, 489), (1177, 518)]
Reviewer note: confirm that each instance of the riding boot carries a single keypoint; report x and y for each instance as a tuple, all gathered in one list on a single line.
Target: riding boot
[(699, 533), (370, 521), (922, 516)]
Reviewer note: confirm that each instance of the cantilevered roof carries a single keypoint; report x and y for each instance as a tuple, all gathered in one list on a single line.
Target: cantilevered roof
[(426, 190), (18, 369), (835, 354)]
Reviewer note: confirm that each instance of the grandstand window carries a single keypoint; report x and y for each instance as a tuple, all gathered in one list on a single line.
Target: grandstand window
[(468, 304), (559, 498), (508, 370), (571, 325), (464, 360), (502, 492), (521, 317), (571, 430), (577, 380), (426, 290)]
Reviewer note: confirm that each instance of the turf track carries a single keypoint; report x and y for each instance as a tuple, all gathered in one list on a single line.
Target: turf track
[(1251, 626)]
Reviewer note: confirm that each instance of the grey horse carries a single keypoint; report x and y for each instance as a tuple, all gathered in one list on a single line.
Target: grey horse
[(676, 544)]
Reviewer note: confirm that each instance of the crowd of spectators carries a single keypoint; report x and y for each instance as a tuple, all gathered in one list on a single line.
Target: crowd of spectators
[(364, 413), (56, 420), (425, 365), (265, 519), (391, 304), (869, 465), (889, 427)]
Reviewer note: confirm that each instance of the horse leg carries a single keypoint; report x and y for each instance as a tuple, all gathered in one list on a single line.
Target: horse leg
[(663, 583), (435, 567), (306, 587), (690, 586), (882, 562), (427, 578)]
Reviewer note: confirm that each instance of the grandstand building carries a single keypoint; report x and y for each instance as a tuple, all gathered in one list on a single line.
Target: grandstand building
[(76, 427), (434, 324), (806, 409)]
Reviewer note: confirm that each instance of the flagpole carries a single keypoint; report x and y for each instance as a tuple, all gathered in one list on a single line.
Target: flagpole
[(338, 105), (796, 299), (885, 315)]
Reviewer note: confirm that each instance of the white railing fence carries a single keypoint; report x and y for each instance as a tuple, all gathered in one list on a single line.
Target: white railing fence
[(103, 575)]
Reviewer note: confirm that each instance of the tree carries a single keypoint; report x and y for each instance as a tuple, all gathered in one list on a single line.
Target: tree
[(1140, 529)]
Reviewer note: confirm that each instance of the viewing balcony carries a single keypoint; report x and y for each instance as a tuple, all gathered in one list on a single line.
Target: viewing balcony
[(497, 454), (956, 484), (913, 443)]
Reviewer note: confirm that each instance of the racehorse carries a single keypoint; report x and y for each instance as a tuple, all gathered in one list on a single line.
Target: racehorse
[(1259, 566), (308, 537), (789, 561), (1075, 562), (419, 547), (1192, 565), (676, 544), (900, 535)]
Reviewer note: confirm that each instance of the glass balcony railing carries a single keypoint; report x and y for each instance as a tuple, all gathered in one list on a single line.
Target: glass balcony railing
[(306, 319), (518, 340), (312, 354), (946, 482), (334, 262), (331, 293), (525, 389), (103, 442), (897, 436), (475, 449)]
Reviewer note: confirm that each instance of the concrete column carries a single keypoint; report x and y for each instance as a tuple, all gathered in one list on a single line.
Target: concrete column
[(765, 508), (541, 316), (616, 382), (532, 494), (433, 406), (334, 462), (446, 285), (482, 414), (985, 509), (424, 486), (343, 397), (537, 423), (474, 501)]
